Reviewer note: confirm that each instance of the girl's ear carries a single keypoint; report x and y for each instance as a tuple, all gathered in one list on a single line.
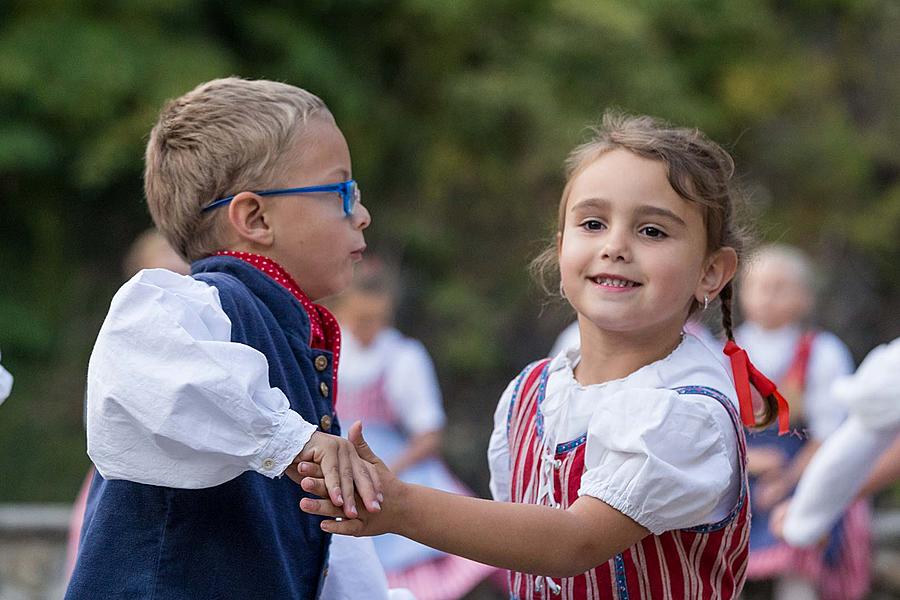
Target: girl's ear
[(719, 270), (247, 215), (558, 244)]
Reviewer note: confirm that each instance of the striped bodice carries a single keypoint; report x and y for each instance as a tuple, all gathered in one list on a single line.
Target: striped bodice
[(702, 562)]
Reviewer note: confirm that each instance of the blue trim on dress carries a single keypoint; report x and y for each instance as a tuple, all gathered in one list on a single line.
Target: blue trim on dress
[(515, 395), (571, 445), (541, 395), (725, 401), (621, 581)]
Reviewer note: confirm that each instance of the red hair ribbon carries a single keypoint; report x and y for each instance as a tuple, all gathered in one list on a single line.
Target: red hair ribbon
[(744, 375)]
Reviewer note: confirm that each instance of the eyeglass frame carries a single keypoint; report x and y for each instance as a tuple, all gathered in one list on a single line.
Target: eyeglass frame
[(348, 190)]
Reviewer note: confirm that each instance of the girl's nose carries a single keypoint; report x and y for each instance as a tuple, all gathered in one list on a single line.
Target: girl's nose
[(615, 247)]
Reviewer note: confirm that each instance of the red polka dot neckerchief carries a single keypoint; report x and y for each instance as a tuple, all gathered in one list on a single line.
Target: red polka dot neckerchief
[(324, 331)]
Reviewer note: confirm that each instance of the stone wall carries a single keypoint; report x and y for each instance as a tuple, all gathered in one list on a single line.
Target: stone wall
[(32, 550)]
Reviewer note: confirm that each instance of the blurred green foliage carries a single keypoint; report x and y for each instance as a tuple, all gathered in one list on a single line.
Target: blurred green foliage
[(459, 115)]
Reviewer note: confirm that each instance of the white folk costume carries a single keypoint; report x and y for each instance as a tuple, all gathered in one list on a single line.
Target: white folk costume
[(806, 364), (664, 446), (843, 463), (391, 386)]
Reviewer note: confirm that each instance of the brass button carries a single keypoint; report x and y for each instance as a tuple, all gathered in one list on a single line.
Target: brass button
[(321, 362), (325, 423), (323, 387)]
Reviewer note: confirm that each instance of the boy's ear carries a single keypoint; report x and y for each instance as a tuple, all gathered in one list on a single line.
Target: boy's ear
[(720, 269), (247, 214)]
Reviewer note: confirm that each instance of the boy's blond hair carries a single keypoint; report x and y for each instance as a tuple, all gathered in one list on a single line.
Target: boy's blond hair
[(223, 137)]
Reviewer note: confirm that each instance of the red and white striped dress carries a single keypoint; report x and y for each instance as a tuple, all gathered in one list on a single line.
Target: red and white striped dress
[(708, 561)]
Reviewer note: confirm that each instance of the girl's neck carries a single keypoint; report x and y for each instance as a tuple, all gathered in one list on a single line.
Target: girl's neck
[(609, 355)]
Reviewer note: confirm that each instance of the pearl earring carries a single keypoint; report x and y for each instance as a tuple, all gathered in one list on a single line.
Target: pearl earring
[(705, 301)]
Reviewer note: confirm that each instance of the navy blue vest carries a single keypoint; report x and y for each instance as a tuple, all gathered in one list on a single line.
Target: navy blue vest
[(246, 538)]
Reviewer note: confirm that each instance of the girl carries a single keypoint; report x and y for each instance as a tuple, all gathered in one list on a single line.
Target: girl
[(620, 464), (777, 301), (389, 382)]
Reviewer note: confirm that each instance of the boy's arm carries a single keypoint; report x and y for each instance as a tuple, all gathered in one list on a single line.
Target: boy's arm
[(172, 401)]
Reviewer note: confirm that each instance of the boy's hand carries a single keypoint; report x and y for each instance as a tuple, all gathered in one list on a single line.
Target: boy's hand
[(367, 522), (342, 470)]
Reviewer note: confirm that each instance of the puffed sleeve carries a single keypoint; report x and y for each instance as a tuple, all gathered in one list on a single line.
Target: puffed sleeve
[(498, 448), (412, 389), (658, 457), (172, 401), (872, 394)]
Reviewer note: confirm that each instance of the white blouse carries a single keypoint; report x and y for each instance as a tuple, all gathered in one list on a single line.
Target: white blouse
[(773, 351), (666, 460), (843, 463), (172, 401)]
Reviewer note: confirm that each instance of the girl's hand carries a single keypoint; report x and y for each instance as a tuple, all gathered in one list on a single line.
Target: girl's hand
[(366, 523)]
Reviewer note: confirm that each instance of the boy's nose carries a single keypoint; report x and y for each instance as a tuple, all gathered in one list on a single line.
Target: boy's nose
[(361, 216)]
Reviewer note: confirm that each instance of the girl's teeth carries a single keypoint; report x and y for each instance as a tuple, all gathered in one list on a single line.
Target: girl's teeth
[(615, 282)]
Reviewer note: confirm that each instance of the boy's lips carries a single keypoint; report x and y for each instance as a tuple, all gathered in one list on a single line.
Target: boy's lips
[(358, 253)]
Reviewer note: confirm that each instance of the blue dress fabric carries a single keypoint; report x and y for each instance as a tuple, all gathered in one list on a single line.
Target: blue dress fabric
[(246, 538)]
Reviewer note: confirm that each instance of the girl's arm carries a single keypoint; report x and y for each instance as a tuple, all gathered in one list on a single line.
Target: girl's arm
[(521, 537)]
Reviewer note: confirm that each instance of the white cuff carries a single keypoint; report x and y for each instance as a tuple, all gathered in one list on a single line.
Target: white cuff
[(285, 445)]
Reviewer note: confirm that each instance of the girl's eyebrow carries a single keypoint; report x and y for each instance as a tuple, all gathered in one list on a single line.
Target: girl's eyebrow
[(644, 210), (658, 211)]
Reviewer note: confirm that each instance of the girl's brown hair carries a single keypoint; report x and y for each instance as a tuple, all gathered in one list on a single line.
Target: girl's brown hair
[(698, 169)]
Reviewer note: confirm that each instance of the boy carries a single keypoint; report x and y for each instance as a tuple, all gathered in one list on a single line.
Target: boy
[(223, 381)]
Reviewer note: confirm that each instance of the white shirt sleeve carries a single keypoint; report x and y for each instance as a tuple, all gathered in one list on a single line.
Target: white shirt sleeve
[(829, 360), (662, 459), (498, 448), (6, 381), (412, 389), (172, 401)]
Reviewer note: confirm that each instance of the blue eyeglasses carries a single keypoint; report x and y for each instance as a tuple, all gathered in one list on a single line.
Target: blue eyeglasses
[(348, 190)]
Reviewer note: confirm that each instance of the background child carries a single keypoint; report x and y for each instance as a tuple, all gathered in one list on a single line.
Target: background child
[(388, 382), (620, 464), (777, 299), (203, 390), (843, 467)]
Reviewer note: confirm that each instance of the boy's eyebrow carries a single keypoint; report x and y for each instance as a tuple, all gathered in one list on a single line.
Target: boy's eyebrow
[(642, 210)]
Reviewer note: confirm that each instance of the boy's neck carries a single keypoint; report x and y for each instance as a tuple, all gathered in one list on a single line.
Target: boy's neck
[(610, 355)]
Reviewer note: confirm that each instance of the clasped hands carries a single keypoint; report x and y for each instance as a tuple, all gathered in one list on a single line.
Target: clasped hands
[(361, 514)]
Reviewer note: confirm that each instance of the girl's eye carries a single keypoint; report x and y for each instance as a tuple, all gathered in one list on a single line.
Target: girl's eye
[(653, 232), (592, 224)]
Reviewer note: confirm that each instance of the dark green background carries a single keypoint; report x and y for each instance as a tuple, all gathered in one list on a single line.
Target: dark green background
[(459, 115)]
